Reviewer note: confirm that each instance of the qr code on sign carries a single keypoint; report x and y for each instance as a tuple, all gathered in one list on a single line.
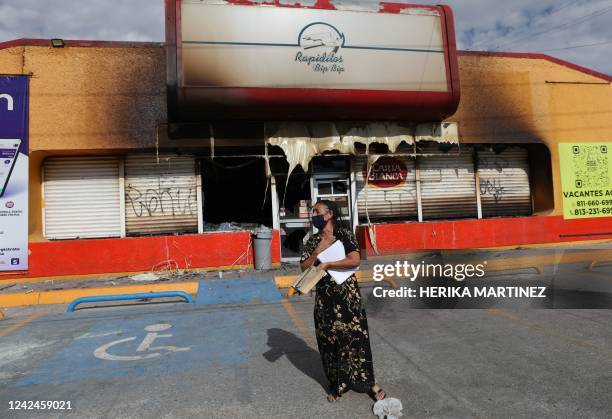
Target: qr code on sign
[(591, 165)]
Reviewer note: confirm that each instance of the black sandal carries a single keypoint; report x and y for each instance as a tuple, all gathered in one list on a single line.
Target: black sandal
[(376, 395)]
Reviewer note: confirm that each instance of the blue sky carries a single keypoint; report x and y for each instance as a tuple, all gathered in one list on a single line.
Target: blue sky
[(579, 31)]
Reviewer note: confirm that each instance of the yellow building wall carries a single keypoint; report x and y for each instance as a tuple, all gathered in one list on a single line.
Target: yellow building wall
[(103, 100), (87, 100), (510, 99)]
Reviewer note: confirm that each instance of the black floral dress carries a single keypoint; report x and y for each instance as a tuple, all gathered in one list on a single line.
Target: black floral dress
[(341, 326)]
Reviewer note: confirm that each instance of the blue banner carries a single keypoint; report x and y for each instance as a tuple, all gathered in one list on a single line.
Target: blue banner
[(14, 150)]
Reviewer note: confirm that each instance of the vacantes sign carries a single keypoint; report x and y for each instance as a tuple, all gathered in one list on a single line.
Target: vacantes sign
[(586, 179), (386, 172), (13, 173)]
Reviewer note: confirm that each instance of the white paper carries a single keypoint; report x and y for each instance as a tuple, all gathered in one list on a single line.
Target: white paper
[(334, 253)]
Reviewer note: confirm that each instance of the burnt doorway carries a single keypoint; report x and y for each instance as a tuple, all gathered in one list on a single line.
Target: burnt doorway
[(294, 206), (235, 190)]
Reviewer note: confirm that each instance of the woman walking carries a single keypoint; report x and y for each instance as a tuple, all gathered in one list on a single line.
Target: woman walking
[(340, 320)]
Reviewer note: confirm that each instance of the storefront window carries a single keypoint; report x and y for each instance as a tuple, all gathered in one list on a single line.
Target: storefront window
[(235, 191)]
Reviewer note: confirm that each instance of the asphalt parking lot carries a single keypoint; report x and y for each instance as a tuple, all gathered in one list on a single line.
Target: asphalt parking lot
[(172, 360)]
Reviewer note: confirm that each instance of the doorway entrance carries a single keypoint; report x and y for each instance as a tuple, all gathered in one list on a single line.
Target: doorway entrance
[(335, 188)]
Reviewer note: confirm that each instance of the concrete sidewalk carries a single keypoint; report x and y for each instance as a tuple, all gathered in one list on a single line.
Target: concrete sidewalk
[(534, 261)]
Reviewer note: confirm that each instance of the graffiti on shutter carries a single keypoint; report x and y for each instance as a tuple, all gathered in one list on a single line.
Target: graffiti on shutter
[(160, 198), (448, 186), (391, 190), (504, 182)]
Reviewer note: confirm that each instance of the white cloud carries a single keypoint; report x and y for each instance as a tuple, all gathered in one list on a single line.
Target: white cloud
[(535, 26), (508, 25), (111, 20)]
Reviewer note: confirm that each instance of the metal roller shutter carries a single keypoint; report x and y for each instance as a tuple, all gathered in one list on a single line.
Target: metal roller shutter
[(448, 186), (82, 197), (160, 197), (504, 182), (391, 192)]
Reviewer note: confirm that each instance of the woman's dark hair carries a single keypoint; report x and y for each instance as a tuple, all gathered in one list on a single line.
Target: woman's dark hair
[(333, 207)]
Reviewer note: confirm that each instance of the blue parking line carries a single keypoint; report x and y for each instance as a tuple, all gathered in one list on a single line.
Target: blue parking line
[(125, 297)]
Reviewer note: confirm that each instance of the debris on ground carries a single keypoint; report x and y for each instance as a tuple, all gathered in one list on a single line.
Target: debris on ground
[(144, 277), (388, 408), (230, 226)]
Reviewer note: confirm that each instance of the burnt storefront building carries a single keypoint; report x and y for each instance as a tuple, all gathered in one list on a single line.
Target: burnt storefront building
[(153, 155)]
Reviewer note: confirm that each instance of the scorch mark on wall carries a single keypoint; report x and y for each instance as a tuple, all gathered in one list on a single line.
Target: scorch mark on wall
[(496, 163)]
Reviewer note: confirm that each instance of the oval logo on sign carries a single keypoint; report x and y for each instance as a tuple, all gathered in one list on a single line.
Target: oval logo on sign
[(320, 43), (319, 34), (386, 172)]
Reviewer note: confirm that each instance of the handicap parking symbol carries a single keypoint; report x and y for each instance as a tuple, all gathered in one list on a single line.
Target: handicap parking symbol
[(109, 348), (145, 348)]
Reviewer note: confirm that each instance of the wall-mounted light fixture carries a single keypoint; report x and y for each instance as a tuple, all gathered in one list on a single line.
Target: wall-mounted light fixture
[(57, 43)]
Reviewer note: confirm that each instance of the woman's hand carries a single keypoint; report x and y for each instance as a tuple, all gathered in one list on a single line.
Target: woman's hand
[(351, 260), (323, 244)]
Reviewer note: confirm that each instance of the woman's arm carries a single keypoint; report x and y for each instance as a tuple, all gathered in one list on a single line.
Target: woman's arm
[(305, 264), (323, 244), (352, 260)]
